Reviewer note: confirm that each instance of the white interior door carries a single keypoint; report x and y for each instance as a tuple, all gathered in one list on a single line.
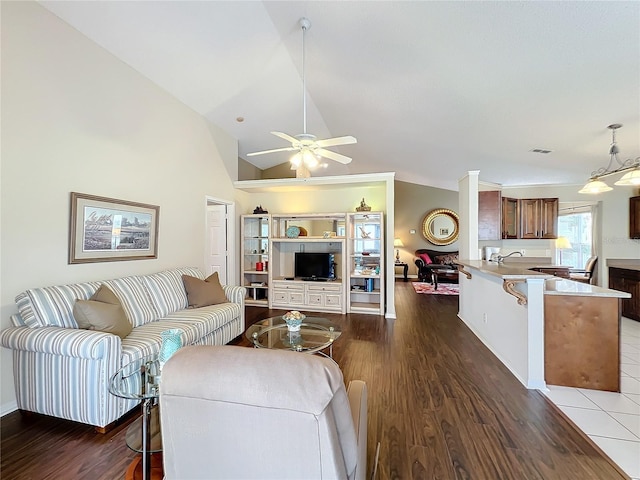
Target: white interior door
[(217, 242)]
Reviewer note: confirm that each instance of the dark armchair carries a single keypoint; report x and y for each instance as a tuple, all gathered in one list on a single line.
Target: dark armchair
[(445, 261)]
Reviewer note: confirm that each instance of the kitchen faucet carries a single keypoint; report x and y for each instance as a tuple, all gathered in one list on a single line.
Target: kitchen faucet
[(501, 258)]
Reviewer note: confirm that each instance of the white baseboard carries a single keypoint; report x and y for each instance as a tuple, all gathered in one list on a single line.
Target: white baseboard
[(8, 408)]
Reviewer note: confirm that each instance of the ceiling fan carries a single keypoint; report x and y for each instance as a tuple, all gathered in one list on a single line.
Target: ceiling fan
[(309, 148)]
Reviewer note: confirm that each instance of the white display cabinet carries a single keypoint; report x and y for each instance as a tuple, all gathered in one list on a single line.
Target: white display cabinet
[(307, 233), (365, 269), (255, 258), (355, 240)]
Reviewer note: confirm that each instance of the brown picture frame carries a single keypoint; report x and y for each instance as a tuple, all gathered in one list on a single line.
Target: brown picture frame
[(106, 229)]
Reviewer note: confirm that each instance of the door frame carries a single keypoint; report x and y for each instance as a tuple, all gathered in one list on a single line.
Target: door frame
[(230, 231)]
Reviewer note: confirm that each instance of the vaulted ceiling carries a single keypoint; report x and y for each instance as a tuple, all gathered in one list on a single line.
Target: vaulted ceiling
[(429, 89)]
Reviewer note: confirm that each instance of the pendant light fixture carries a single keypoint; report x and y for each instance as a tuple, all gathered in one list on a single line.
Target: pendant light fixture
[(630, 166)]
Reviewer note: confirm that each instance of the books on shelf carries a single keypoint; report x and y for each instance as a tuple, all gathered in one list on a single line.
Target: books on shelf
[(258, 284)]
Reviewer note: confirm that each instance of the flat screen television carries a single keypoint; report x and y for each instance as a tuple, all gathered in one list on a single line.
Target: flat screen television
[(313, 266)]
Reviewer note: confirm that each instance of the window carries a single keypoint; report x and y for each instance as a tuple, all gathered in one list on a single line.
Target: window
[(576, 226)]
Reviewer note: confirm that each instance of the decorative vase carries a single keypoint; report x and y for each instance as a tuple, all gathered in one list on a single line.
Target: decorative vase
[(294, 325), (171, 342), (293, 320)]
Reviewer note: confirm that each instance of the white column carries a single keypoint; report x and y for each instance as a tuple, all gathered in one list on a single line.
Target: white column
[(468, 211), (535, 333)]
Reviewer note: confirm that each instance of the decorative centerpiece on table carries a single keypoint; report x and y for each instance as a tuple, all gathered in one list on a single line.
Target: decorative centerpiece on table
[(293, 319)]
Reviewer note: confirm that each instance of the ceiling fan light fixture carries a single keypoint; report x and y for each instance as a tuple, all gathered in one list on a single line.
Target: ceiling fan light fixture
[(310, 160), (296, 160)]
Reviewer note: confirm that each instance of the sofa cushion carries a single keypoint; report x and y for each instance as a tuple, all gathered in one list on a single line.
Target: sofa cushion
[(207, 319), (425, 258), (446, 259), (135, 299), (102, 312), (167, 291), (53, 306), (202, 293), (196, 324)]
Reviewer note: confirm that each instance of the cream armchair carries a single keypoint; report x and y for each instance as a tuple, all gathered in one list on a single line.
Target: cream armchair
[(242, 413)]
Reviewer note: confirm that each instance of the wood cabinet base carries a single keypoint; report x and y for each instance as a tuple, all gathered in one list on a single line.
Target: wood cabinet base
[(582, 342)]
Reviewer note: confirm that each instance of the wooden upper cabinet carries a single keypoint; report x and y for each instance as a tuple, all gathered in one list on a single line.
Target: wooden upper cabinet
[(529, 218), (489, 215), (549, 218), (510, 218), (634, 217), (539, 218)]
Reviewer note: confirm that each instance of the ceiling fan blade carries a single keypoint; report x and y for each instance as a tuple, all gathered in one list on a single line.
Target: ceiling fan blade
[(286, 137), (332, 142), (333, 156), (284, 149)]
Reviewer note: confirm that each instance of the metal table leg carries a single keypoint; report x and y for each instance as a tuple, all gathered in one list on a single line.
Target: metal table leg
[(146, 439)]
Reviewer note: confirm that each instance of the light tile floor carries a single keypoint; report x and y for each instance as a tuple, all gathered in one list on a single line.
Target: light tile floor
[(612, 420)]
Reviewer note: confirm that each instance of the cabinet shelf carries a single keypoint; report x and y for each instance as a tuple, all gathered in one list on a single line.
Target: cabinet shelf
[(365, 307), (255, 238), (366, 290), (307, 239)]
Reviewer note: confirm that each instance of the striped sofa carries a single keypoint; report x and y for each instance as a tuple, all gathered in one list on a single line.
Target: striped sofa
[(64, 371)]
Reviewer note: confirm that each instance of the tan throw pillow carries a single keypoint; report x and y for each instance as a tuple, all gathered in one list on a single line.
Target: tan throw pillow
[(102, 312), (201, 293)]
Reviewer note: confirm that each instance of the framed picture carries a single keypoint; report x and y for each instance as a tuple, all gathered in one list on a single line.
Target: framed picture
[(109, 230)]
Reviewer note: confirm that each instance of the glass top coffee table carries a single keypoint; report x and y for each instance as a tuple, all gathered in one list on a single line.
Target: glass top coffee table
[(316, 334)]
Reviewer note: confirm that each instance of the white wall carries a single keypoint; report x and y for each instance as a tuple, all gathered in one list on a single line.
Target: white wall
[(614, 239), (338, 199), (75, 118), (513, 332)]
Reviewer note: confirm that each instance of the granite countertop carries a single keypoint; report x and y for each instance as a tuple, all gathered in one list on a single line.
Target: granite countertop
[(507, 271), (561, 286), (626, 263), (553, 285)]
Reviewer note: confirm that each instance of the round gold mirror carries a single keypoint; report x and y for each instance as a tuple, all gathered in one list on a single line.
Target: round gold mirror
[(441, 226)]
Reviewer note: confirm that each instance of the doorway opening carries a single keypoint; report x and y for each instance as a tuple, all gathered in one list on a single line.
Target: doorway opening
[(220, 240)]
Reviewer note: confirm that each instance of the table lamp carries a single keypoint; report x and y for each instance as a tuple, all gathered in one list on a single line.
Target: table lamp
[(561, 244), (397, 243)]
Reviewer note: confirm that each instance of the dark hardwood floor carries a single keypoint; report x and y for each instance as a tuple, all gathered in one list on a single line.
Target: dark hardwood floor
[(440, 404)]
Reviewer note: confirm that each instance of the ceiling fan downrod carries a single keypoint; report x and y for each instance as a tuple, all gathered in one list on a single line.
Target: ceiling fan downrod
[(305, 24)]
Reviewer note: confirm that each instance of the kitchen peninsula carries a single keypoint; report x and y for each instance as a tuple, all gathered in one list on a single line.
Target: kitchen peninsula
[(544, 329)]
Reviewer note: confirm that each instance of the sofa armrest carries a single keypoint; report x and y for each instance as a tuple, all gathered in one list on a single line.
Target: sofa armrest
[(235, 293), (419, 263), (357, 393), (69, 342)]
